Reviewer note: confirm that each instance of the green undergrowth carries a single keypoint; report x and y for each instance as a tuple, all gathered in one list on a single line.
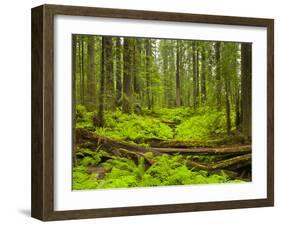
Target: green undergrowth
[(126, 173), (204, 125)]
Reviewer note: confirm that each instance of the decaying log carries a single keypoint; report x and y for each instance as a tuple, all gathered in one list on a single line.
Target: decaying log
[(108, 144), (241, 165), (196, 165), (225, 164), (230, 162), (84, 136), (232, 140), (238, 150), (132, 155), (238, 156)]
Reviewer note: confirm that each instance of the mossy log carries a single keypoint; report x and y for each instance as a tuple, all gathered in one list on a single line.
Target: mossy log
[(91, 140), (237, 150), (85, 136), (232, 161), (225, 164), (231, 140), (196, 165), (121, 152)]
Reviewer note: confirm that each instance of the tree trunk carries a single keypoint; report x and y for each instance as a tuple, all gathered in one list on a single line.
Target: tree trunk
[(218, 74), (81, 68), (203, 76), (195, 72), (127, 76), (82, 91), (197, 76), (91, 83), (108, 70), (227, 106), (246, 89), (100, 117), (148, 74), (178, 102), (237, 109), (118, 55), (74, 62), (136, 67)]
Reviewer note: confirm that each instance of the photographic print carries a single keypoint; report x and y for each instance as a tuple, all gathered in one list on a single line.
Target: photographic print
[(147, 112), (156, 112)]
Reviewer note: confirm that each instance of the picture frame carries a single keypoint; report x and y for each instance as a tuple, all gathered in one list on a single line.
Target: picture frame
[(43, 108)]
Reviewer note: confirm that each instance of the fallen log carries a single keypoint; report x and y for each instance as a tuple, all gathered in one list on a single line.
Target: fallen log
[(132, 155), (232, 140), (225, 164), (237, 150), (241, 165), (92, 140), (196, 165), (230, 162)]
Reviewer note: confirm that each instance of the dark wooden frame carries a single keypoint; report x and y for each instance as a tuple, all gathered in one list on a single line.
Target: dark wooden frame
[(42, 203)]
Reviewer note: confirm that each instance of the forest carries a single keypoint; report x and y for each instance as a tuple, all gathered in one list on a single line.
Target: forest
[(155, 112)]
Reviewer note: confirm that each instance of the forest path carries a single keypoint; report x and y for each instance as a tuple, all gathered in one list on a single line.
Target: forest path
[(172, 124)]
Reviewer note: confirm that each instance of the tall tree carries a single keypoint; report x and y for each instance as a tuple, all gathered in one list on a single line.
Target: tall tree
[(218, 74), (178, 97), (100, 116), (118, 56), (91, 77), (82, 70), (148, 72), (203, 74), (127, 75), (74, 72), (227, 103), (137, 66), (108, 71), (195, 74), (246, 89)]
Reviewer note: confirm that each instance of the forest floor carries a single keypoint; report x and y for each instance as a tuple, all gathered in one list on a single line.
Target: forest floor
[(162, 147)]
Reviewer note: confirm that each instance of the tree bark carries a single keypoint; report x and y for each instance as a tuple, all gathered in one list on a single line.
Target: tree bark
[(148, 74), (237, 150), (100, 117), (74, 62), (246, 89), (118, 56), (108, 70), (91, 81), (218, 74), (230, 162), (203, 76), (178, 101), (82, 72), (227, 105), (225, 164), (195, 74), (127, 76)]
